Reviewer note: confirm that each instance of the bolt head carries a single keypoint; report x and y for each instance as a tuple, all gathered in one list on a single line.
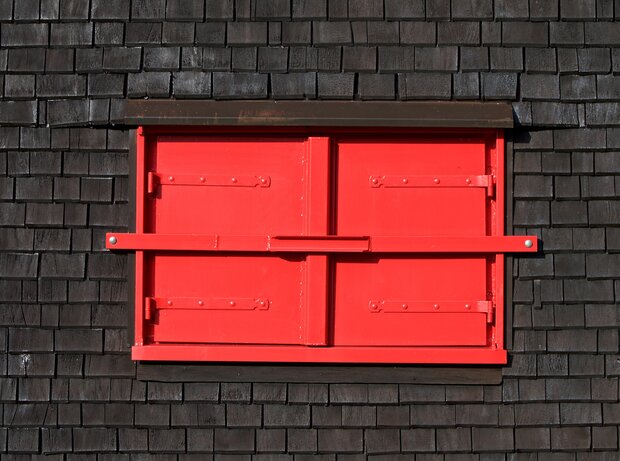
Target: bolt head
[(436, 180), (528, 243), (233, 179), (112, 240), (405, 180), (201, 303), (202, 179), (171, 178), (232, 303), (375, 181)]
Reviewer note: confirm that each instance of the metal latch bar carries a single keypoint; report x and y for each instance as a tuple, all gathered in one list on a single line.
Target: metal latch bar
[(389, 181), (201, 303), (417, 307), (321, 244), (156, 179)]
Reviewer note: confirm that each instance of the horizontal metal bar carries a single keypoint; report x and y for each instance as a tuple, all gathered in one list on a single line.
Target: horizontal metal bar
[(207, 303), (404, 181), (321, 244), (305, 354), (439, 307), (163, 179), (431, 181), (484, 244), (335, 244)]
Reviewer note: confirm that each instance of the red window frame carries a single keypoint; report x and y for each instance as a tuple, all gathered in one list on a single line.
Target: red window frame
[(319, 245)]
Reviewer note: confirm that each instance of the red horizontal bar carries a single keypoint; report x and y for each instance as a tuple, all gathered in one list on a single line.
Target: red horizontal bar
[(210, 303), (321, 244), (485, 244), (439, 307), (304, 354), (197, 179)]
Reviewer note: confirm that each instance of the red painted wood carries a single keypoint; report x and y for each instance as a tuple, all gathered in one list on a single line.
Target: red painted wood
[(376, 248), (304, 354)]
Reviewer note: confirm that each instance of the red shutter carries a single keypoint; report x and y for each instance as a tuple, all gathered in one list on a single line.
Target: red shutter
[(283, 247)]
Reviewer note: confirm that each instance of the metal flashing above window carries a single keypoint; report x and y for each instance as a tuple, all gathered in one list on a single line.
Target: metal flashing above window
[(384, 114)]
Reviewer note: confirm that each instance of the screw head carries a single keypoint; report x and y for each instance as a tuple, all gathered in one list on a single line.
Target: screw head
[(374, 306), (467, 306), (112, 240), (436, 306), (171, 178), (202, 179), (528, 243), (405, 306), (169, 303), (232, 303), (468, 181), (261, 303), (233, 180), (375, 181), (405, 180), (201, 303), (436, 181)]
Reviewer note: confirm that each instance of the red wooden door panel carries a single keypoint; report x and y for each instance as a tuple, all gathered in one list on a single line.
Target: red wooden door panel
[(409, 301), (429, 187), (228, 299), (421, 187), (236, 186), (232, 199)]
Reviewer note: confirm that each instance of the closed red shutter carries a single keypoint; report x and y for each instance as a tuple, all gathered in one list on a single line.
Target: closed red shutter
[(340, 247)]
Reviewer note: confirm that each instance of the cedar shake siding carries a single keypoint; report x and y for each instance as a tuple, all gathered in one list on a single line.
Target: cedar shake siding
[(68, 388)]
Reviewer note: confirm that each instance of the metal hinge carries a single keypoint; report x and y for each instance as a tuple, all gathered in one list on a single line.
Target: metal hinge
[(201, 303), (389, 181), (154, 180), (440, 307)]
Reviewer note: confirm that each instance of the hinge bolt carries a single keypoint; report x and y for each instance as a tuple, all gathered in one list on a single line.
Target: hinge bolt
[(374, 306), (528, 243), (261, 303), (202, 179), (436, 181), (467, 306), (171, 178), (405, 180), (232, 303), (201, 303), (234, 180), (436, 306), (169, 303), (112, 240), (405, 306), (468, 181), (375, 181)]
